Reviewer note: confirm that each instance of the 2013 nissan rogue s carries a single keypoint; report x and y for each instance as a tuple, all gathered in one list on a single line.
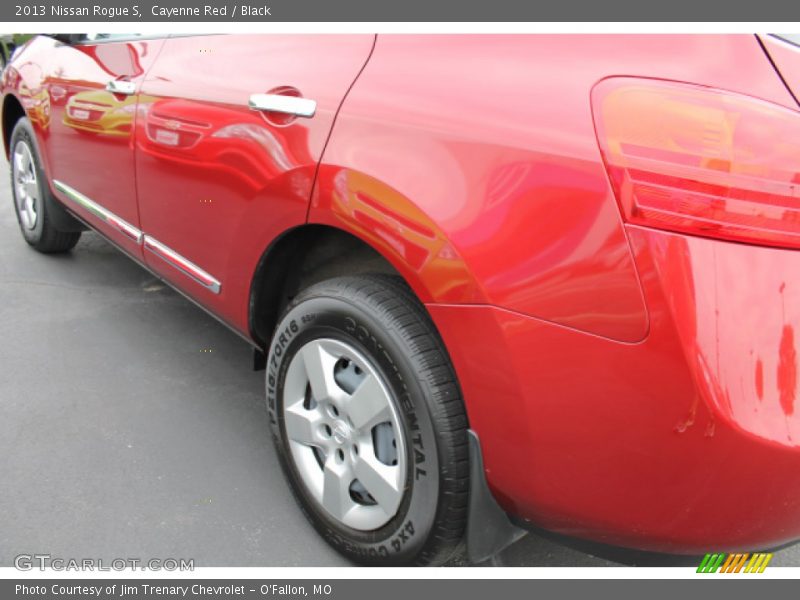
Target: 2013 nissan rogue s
[(530, 279)]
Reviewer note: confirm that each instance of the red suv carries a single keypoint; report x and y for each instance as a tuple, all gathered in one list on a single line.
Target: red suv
[(550, 277)]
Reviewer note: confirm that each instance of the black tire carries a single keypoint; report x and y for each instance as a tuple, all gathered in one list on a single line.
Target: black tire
[(44, 236), (381, 317)]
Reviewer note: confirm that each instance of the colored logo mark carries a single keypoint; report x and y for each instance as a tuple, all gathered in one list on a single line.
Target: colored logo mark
[(735, 563)]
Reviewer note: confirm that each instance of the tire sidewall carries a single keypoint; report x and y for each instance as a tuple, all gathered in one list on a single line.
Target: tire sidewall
[(24, 132), (404, 536)]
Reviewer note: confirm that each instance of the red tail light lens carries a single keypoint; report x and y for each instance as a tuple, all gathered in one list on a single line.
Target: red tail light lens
[(701, 161)]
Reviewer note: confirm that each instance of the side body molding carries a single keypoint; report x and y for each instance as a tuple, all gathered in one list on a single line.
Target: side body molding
[(151, 244)]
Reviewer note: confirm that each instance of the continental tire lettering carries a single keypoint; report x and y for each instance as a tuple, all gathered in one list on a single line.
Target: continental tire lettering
[(361, 333), (419, 455), (413, 422), (408, 407), (351, 325)]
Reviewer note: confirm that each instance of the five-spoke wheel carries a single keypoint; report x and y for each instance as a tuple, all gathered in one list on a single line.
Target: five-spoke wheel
[(368, 421), (34, 203), (344, 433), (26, 185)]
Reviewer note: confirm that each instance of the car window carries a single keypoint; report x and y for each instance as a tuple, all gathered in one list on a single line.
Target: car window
[(102, 37), (792, 38)]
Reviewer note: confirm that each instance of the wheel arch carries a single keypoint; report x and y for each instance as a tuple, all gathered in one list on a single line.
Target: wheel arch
[(13, 111), (329, 247), (299, 257)]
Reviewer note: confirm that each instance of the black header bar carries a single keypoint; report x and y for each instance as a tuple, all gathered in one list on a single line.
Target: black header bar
[(465, 11)]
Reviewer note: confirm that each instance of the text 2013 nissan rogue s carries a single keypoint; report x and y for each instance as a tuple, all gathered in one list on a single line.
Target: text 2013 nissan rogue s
[(494, 281)]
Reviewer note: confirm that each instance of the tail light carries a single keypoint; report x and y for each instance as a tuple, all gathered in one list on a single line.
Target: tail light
[(701, 161)]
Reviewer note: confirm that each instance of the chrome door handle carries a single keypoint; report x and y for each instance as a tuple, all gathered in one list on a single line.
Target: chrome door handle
[(288, 105), (118, 86)]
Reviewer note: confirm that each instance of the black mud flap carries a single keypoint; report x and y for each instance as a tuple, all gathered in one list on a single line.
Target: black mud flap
[(489, 530), (60, 217), (259, 360)]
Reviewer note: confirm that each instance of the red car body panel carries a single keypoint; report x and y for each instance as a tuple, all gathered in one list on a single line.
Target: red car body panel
[(685, 441), (245, 180), (95, 160), (510, 179), (784, 55), (627, 384)]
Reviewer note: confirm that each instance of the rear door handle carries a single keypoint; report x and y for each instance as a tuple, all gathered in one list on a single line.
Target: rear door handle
[(288, 105), (122, 87)]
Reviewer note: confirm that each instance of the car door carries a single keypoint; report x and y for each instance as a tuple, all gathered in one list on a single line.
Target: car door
[(230, 132), (92, 86)]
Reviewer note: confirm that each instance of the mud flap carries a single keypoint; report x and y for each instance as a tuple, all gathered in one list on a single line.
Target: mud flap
[(60, 217), (259, 360), (489, 530)]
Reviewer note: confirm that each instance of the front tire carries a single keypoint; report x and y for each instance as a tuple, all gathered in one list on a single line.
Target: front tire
[(368, 421), (31, 194)]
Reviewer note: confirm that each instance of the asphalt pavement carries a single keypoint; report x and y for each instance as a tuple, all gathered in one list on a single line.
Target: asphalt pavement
[(133, 426)]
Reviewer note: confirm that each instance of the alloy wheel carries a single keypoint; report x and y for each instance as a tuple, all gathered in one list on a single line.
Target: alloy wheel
[(344, 434), (26, 185)]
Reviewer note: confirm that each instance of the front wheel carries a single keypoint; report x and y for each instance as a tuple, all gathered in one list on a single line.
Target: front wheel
[(368, 421), (32, 194)]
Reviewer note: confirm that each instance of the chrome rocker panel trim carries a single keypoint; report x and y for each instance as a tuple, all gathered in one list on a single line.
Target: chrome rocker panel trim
[(182, 264), (101, 213), (165, 253)]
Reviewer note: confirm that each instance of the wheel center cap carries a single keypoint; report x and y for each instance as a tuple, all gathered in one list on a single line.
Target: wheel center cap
[(341, 432)]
